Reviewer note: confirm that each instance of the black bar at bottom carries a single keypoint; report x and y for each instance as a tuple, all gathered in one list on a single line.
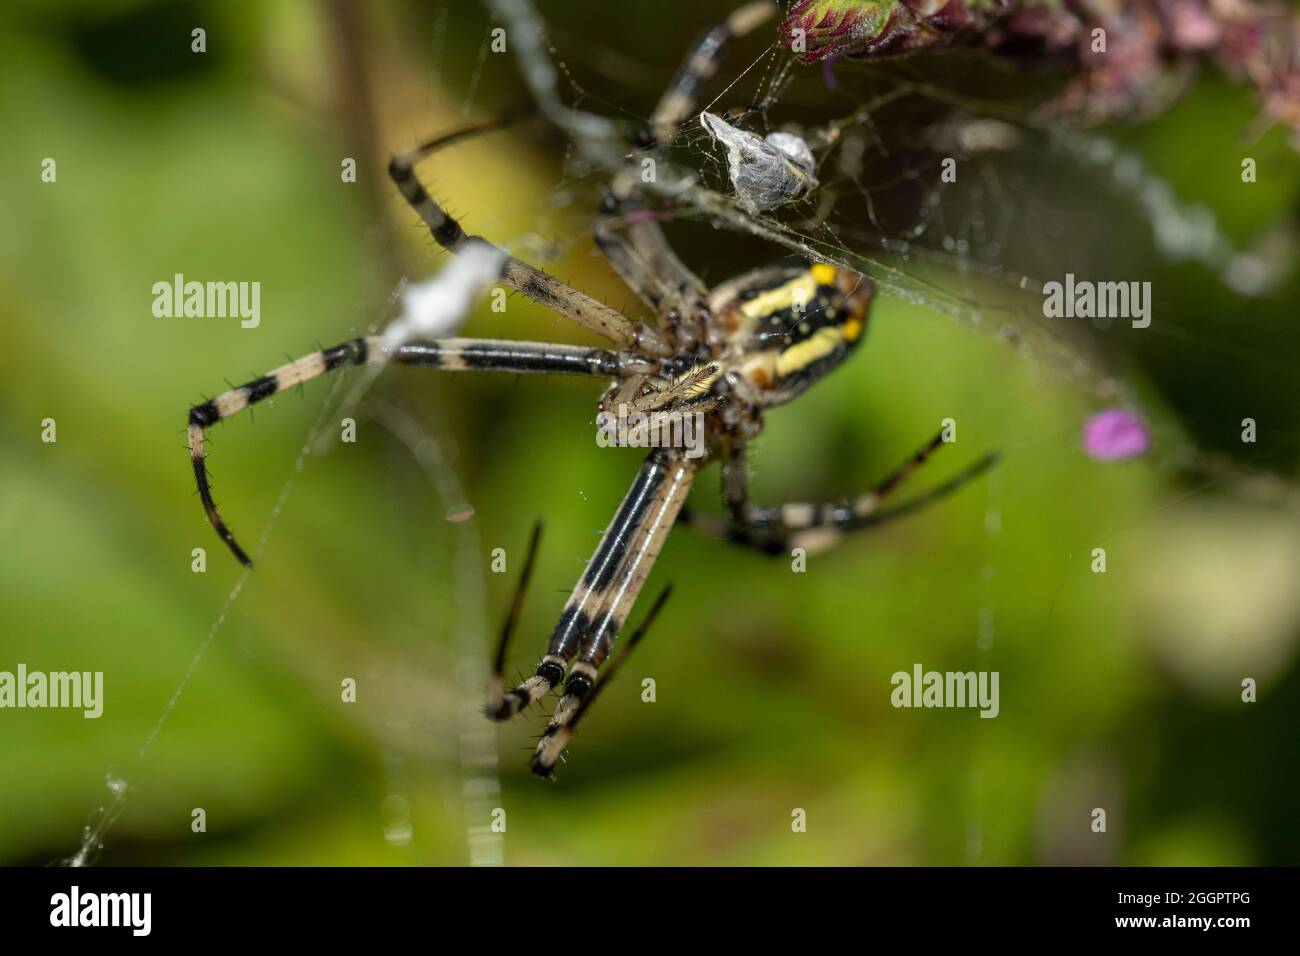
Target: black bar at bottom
[(333, 905)]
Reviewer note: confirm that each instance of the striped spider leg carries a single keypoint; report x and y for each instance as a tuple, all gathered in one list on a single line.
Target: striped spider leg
[(603, 597), (498, 356), (626, 232), (679, 101), (613, 580), (487, 355), (516, 274), (553, 743), (816, 526)]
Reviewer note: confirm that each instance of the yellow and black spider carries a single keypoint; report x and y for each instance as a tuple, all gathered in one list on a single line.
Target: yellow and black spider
[(726, 354)]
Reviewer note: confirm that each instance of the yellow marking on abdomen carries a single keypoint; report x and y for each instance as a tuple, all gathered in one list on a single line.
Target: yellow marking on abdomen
[(817, 346), (802, 290)]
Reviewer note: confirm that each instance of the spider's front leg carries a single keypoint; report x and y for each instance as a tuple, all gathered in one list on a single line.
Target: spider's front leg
[(647, 532), (815, 526), (602, 598)]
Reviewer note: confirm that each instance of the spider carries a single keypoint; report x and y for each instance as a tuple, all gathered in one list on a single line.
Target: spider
[(727, 353)]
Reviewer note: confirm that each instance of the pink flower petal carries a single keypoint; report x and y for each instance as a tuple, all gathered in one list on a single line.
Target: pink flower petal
[(1115, 435)]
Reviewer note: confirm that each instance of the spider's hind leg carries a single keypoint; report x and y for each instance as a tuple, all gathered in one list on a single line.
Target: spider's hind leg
[(815, 526), (603, 586), (600, 602)]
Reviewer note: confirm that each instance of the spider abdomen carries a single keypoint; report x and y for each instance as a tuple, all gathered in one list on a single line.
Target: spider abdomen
[(794, 322)]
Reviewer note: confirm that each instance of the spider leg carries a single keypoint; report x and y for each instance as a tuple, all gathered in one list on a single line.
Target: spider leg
[(815, 526), (639, 252), (620, 574), (553, 744), (645, 263), (679, 102), (644, 259), (539, 286), (496, 686), (604, 582), (488, 355)]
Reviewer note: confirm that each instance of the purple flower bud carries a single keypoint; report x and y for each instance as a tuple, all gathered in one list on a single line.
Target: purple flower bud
[(1115, 434)]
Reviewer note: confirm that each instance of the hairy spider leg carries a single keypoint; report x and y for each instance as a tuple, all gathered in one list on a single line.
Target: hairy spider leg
[(487, 355), (646, 540), (590, 595), (680, 100), (539, 286), (604, 581), (815, 526), (553, 744), (496, 685), (638, 249)]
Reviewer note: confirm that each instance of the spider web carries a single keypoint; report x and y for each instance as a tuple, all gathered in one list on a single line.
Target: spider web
[(972, 249)]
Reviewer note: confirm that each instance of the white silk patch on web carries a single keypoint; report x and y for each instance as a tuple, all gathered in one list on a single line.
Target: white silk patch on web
[(438, 307)]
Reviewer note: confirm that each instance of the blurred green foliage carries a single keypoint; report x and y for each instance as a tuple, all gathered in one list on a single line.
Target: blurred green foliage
[(773, 687)]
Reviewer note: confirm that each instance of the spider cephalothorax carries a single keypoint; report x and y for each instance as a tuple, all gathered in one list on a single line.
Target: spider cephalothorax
[(725, 355)]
